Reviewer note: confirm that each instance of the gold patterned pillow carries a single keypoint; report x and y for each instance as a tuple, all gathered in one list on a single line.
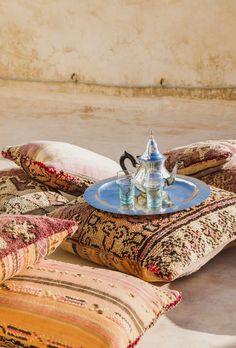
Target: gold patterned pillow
[(20, 194), (26, 239), (59, 305), (155, 248), (63, 166), (202, 158)]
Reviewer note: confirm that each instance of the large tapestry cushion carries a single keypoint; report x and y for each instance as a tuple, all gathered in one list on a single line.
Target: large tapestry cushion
[(201, 158), (59, 305), (63, 166), (155, 248), (26, 239), (20, 194)]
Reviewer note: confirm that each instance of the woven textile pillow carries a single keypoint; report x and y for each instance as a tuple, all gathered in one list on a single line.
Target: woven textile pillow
[(155, 248), (224, 178), (57, 305), (202, 158), (26, 239), (63, 166), (19, 194)]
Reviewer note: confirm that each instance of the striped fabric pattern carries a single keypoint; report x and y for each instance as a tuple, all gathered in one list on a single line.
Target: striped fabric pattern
[(26, 239), (59, 305)]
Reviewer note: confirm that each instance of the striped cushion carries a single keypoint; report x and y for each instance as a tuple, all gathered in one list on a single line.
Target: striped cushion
[(25, 240), (63, 166), (19, 194), (58, 305), (154, 248)]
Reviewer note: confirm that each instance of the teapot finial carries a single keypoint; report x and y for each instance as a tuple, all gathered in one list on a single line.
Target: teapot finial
[(152, 153)]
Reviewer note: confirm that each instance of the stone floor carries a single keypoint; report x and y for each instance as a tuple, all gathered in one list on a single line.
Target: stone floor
[(109, 125)]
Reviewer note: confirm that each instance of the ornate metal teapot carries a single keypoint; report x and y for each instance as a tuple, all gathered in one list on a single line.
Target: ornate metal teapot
[(151, 160)]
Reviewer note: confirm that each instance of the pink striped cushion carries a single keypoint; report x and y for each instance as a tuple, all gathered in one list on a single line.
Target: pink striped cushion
[(54, 304)]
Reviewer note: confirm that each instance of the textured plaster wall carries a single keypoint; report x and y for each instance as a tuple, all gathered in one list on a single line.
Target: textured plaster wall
[(121, 42)]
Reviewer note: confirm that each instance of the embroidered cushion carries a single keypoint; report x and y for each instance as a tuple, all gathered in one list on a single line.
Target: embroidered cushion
[(60, 165), (26, 239), (155, 248), (202, 158), (20, 194), (54, 304)]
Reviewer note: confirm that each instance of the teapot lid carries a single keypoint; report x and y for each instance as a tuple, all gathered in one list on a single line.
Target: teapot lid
[(152, 154)]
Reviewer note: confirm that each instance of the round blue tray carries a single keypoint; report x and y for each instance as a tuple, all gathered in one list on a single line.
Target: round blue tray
[(184, 193)]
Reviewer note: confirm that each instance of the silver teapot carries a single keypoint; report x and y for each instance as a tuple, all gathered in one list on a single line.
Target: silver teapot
[(150, 161)]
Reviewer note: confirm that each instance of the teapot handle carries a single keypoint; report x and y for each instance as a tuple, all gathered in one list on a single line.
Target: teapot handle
[(125, 156)]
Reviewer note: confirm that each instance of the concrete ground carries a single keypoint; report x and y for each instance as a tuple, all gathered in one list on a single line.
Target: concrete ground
[(109, 125)]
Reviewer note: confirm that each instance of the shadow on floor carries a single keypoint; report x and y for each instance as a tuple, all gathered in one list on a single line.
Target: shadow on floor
[(209, 297)]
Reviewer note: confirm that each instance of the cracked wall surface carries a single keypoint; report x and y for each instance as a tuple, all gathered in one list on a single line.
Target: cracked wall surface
[(129, 43)]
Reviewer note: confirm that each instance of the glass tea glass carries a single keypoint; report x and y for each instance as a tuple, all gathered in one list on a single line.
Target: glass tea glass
[(154, 184), (125, 182)]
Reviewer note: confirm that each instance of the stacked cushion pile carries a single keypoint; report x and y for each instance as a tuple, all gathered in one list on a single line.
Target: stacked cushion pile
[(53, 304), (155, 249)]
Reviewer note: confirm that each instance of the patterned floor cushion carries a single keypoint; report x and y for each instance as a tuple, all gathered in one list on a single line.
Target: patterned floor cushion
[(26, 239), (155, 248), (224, 178), (202, 158), (20, 194), (59, 305), (63, 166)]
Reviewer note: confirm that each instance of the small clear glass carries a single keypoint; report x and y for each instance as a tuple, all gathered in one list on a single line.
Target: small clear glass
[(154, 184), (125, 182)]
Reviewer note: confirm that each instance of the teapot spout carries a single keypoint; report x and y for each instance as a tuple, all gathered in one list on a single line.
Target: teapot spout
[(171, 179)]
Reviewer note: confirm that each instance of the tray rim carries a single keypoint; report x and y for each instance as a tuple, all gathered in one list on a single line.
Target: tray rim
[(90, 198)]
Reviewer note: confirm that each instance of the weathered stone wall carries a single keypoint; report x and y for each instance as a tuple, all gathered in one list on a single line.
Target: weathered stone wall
[(129, 43)]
